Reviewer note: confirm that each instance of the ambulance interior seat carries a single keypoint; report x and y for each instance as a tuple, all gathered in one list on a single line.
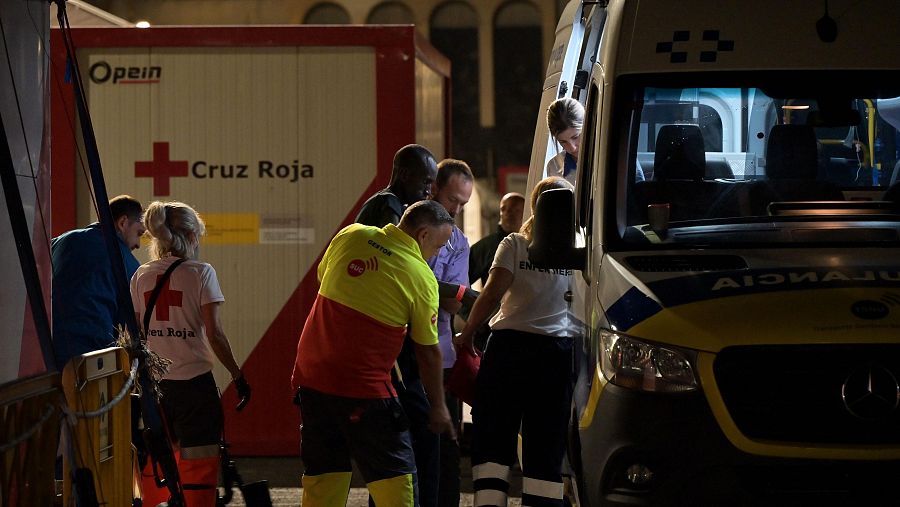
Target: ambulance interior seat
[(791, 170), (679, 153), (679, 169), (715, 169)]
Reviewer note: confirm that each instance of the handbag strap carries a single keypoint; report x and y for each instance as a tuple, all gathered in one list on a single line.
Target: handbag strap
[(156, 290)]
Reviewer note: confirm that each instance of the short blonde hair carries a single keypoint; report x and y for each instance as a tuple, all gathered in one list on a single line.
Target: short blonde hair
[(172, 227)]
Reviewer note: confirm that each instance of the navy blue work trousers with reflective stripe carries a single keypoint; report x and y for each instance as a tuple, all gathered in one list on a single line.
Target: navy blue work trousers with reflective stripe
[(525, 381)]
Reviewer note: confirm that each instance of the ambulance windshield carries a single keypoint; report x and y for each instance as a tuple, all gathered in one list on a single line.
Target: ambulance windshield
[(698, 162)]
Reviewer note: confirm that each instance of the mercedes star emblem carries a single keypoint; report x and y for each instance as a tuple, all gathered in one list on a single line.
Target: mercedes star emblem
[(871, 392)]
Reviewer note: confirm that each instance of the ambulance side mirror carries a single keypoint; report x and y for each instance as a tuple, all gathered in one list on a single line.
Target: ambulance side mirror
[(553, 232)]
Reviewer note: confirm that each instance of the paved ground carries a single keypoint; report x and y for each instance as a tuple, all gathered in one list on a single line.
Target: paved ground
[(290, 497), (283, 476)]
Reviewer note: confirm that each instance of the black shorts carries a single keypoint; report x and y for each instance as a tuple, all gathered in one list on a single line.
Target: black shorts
[(193, 410), (374, 432)]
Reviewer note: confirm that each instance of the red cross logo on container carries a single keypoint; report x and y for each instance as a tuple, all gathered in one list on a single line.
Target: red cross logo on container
[(161, 168)]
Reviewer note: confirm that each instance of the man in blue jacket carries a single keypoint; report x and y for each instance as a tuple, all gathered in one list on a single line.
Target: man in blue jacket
[(85, 307)]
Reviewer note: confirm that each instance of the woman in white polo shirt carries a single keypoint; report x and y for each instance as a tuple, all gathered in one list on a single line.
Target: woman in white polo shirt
[(525, 376), (185, 328), (565, 118)]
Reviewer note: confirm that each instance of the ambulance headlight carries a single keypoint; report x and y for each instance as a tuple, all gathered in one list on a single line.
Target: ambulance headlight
[(635, 364)]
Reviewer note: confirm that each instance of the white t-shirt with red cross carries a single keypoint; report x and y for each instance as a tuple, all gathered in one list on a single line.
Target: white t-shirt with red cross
[(176, 330)]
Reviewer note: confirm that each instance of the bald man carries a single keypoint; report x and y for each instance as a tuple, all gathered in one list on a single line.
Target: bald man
[(481, 255)]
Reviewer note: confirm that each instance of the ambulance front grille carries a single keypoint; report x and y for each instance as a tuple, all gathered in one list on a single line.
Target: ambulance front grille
[(816, 394)]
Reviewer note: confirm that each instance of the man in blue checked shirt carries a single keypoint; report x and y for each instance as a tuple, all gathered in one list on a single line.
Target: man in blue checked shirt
[(452, 189)]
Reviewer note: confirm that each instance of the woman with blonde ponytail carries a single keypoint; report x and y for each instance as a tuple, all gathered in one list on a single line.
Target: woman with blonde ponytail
[(184, 327)]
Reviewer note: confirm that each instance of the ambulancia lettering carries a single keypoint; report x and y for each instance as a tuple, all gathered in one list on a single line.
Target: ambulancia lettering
[(803, 277)]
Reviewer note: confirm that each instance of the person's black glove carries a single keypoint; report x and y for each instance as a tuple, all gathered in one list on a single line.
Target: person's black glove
[(243, 392)]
